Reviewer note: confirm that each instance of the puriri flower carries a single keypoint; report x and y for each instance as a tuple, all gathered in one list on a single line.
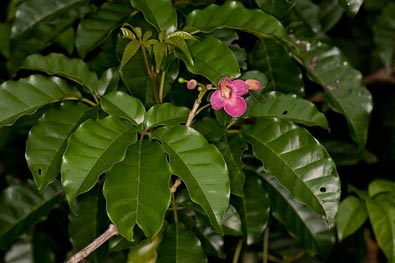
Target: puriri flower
[(229, 97)]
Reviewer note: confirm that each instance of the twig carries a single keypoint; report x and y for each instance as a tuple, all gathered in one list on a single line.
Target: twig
[(80, 255), (239, 247), (265, 245), (381, 75)]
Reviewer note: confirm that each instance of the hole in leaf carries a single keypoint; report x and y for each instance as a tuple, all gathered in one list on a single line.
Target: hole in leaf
[(285, 112), (39, 171), (322, 189)]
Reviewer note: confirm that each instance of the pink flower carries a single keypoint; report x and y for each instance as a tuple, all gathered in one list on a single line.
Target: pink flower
[(253, 84), (228, 96)]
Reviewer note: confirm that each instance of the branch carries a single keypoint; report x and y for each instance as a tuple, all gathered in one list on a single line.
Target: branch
[(381, 75), (80, 255)]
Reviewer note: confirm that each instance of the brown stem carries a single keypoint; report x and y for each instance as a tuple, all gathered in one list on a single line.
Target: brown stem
[(80, 255), (381, 75)]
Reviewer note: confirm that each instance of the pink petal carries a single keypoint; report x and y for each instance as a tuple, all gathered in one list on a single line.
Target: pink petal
[(216, 100), (239, 87), (235, 106)]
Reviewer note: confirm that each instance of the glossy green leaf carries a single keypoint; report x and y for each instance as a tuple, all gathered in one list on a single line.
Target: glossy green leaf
[(309, 13), (233, 14), (119, 103), (330, 14), (160, 13), (20, 252), (130, 50), (299, 161), (201, 167), (145, 251), (286, 106), (380, 186), (26, 95), (281, 70), (66, 40), (253, 207), (58, 64), (94, 29), (43, 35), (86, 224), (137, 190), (166, 114), (179, 42), (180, 245), (92, 150), (309, 228), (232, 147), (212, 59), (342, 84), (384, 34), (351, 216), (209, 128), (351, 6), (277, 8), (31, 12), (381, 210), (48, 139), (108, 81), (22, 206)]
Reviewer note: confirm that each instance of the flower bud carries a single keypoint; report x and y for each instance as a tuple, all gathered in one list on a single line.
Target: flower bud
[(253, 84), (191, 84)]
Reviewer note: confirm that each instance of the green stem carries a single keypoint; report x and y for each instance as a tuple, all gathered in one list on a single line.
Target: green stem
[(84, 100), (151, 74), (265, 245), (162, 86), (237, 253), (173, 190)]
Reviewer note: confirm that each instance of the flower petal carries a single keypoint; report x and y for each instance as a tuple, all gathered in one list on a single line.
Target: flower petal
[(216, 100), (235, 106), (239, 87)]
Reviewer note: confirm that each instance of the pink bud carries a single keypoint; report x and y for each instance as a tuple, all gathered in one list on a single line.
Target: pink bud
[(253, 84), (191, 84)]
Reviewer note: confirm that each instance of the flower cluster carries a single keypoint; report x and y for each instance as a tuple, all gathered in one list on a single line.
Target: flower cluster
[(229, 95)]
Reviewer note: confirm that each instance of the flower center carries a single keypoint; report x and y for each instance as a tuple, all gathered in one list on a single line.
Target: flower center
[(226, 92)]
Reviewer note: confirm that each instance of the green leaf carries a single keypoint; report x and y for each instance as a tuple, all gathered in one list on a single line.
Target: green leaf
[(58, 64), (253, 207), (5, 30), (232, 148), (130, 50), (351, 216), (145, 251), (281, 70), (94, 29), (20, 252), (166, 114), (330, 14), (26, 95), (381, 210), (309, 13), (351, 6), (31, 12), (342, 84), (302, 222), (119, 103), (233, 14), (22, 206), (180, 245), (137, 190), (380, 186), (212, 59), (87, 222), (108, 81), (277, 8), (209, 128), (159, 13), (48, 139), (92, 150), (298, 160), (384, 34), (201, 167), (180, 43), (66, 40), (286, 106)]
